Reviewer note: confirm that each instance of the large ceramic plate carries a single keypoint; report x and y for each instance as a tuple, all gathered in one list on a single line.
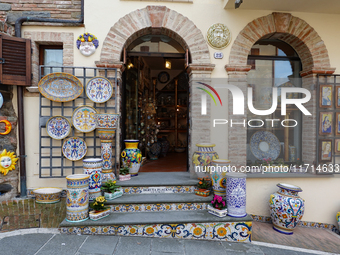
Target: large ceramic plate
[(264, 145), (74, 148), (58, 127), (84, 118), (60, 87), (99, 89)]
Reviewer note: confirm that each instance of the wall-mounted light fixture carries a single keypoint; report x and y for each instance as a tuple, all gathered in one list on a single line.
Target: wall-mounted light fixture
[(167, 64), (238, 3)]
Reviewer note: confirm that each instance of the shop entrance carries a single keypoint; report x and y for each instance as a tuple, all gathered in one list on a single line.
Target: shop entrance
[(155, 103)]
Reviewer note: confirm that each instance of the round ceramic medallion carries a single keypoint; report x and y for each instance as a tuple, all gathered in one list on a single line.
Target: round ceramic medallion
[(264, 145), (58, 127), (84, 118), (99, 89), (74, 148), (218, 36)]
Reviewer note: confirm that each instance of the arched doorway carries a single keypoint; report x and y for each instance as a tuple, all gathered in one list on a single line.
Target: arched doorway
[(164, 21), (314, 58)]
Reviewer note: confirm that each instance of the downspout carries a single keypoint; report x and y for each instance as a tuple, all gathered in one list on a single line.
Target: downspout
[(20, 91)]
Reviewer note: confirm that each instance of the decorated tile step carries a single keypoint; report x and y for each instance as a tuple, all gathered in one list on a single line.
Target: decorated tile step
[(157, 189), (217, 231)]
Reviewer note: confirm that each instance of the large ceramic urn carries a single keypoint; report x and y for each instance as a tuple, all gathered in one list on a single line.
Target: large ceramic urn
[(218, 171), (106, 127), (93, 168), (131, 156), (286, 208), (203, 157), (236, 194)]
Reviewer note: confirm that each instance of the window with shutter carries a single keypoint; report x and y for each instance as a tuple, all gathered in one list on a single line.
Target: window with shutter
[(15, 55)]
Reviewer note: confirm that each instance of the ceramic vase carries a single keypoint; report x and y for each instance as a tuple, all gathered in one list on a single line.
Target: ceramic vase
[(236, 194), (106, 125), (93, 168), (131, 156), (286, 208), (202, 158), (218, 172), (338, 219), (77, 201)]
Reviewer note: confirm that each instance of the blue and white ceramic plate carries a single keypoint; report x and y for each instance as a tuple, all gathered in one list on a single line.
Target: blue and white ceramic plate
[(74, 148), (1, 100), (99, 89), (84, 118), (264, 145), (58, 127)]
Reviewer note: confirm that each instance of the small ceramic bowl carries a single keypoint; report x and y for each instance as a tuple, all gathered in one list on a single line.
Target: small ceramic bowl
[(47, 195)]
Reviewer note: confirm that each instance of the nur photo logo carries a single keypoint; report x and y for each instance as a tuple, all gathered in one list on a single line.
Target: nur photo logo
[(204, 97)]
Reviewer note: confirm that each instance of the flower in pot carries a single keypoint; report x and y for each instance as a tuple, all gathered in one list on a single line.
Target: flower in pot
[(99, 209), (111, 190), (203, 187), (124, 174), (218, 207)]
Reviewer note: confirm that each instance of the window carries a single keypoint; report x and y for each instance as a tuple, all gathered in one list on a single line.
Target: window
[(275, 65), (51, 55)]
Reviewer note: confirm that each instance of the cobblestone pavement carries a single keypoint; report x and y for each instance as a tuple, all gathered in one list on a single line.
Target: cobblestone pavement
[(50, 242)]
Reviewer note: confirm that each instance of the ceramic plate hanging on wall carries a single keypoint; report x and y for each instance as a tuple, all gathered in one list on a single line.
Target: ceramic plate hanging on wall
[(1, 100), (58, 127), (99, 89), (60, 87), (74, 148), (84, 118), (264, 145)]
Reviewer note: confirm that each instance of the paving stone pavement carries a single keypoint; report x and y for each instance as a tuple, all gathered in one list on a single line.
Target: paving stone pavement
[(57, 244)]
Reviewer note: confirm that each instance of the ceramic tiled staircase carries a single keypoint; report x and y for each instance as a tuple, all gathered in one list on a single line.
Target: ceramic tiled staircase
[(163, 205)]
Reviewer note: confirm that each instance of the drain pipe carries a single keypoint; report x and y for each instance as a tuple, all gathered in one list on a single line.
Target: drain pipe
[(20, 92)]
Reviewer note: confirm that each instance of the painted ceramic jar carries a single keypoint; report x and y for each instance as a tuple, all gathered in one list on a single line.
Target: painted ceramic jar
[(338, 218), (203, 157), (77, 201), (218, 171), (286, 208), (131, 156), (93, 168), (236, 194)]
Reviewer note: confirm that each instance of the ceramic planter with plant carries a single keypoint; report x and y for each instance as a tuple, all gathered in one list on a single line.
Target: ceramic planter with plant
[(111, 190), (218, 207), (124, 174), (203, 187), (99, 209)]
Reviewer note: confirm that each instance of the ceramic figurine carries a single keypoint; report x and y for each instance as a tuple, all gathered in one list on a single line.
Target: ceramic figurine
[(218, 177), (203, 158), (286, 208), (7, 161), (236, 194), (132, 156), (87, 44), (93, 167)]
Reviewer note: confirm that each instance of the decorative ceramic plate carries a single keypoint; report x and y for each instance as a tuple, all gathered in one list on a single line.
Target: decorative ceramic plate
[(264, 145), (58, 127), (99, 89), (74, 148), (60, 87), (84, 118)]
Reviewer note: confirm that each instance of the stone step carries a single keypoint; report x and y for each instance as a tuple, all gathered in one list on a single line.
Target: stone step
[(159, 202), (171, 224)]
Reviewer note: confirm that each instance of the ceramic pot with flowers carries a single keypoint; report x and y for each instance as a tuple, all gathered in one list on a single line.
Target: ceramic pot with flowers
[(111, 190), (124, 174), (202, 158), (131, 156), (218, 171), (203, 187), (286, 208), (218, 207), (99, 209)]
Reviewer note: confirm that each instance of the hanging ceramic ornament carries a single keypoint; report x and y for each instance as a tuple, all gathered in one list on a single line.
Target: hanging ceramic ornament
[(1, 100), (87, 44), (7, 161)]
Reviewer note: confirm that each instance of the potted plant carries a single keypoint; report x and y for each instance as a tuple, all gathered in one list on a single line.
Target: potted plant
[(218, 207), (124, 174), (99, 209), (111, 190), (203, 187)]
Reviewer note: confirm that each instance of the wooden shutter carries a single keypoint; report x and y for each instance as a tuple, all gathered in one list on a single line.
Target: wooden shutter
[(15, 56)]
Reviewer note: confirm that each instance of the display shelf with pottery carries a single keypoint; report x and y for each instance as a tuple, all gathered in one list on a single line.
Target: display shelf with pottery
[(47, 195)]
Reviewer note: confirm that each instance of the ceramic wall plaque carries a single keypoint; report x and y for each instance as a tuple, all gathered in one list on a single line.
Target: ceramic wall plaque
[(84, 118), (8, 127), (58, 127), (74, 148), (87, 44), (1, 100), (99, 89), (60, 87), (218, 36), (264, 145), (7, 161)]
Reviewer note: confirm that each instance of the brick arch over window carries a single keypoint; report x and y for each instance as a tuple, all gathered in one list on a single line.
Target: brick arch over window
[(292, 30), (148, 20)]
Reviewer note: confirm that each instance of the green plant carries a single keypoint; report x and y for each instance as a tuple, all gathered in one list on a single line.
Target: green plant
[(98, 204), (110, 186), (204, 183), (124, 171)]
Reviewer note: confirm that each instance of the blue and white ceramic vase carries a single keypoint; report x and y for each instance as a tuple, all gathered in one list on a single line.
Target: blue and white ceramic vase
[(131, 156), (203, 157), (236, 194), (218, 171), (77, 201), (93, 168), (286, 208)]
